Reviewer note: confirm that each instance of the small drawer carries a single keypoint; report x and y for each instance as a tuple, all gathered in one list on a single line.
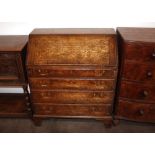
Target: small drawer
[(139, 72), (8, 70), (72, 110), (140, 52), (76, 84), (137, 91), (13, 105), (11, 70), (136, 111), (71, 71), (72, 97)]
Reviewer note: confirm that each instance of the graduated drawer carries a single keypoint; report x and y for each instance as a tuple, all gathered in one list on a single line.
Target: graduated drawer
[(71, 71), (139, 72), (136, 111), (137, 91), (14, 105), (72, 97), (70, 83), (72, 110), (140, 52)]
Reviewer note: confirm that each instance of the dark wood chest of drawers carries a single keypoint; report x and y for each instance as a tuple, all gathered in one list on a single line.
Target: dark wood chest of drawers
[(12, 75), (136, 86), (72, 72)]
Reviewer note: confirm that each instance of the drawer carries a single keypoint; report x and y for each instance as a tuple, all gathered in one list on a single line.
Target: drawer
[(72, 110), (13, 105), (8, 70), (140, 52), (71, 71), (139, 72), (11, 71), (76, 84), (72, 97), (138, 91), (136, 111)]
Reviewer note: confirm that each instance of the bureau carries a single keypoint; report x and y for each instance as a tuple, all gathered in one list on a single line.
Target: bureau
[(136, 85), (13, 75), (72, 73)]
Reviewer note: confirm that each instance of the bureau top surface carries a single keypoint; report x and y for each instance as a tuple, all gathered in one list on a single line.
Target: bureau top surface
[(137, 34), (12, 43), (76, 31)]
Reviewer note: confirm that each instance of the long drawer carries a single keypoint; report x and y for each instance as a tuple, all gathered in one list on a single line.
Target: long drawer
[(72, 110), (72, 97), (136, 111), (71, 83), (137, 91), (72, 71)]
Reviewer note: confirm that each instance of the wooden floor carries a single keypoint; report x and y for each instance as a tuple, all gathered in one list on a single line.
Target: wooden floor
[(71, 125)]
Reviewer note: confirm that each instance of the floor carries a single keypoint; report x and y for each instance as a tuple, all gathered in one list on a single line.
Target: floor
[(71, 126)]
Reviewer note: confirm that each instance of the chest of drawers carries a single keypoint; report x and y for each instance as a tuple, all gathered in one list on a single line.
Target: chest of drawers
[(72, 73), (12, 75), (136, 86)]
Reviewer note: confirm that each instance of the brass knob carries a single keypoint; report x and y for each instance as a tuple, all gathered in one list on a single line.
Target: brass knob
[(149, 74), (141, 112), (145, 93)]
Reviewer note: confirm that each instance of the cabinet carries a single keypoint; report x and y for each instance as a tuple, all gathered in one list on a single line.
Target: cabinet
[(72, 73), (136, 86), (13, 75)]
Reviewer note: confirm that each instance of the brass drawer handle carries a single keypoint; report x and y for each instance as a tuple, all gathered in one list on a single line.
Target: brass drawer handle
[(42, 74), (43, 85), (98, 94)]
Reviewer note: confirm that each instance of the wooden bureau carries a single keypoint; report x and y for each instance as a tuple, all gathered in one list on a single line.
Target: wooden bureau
[(136, 85), (72, 73), (12, 74)]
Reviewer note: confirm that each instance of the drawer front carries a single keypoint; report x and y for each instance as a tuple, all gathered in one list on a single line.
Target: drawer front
[(61, 71), (11, 69), (72, 110), (140, 52), (13, 104), (139, 72), (76, 84), (138, 91), (8, 69), (72, 49), (72, 97), (136, 111)]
